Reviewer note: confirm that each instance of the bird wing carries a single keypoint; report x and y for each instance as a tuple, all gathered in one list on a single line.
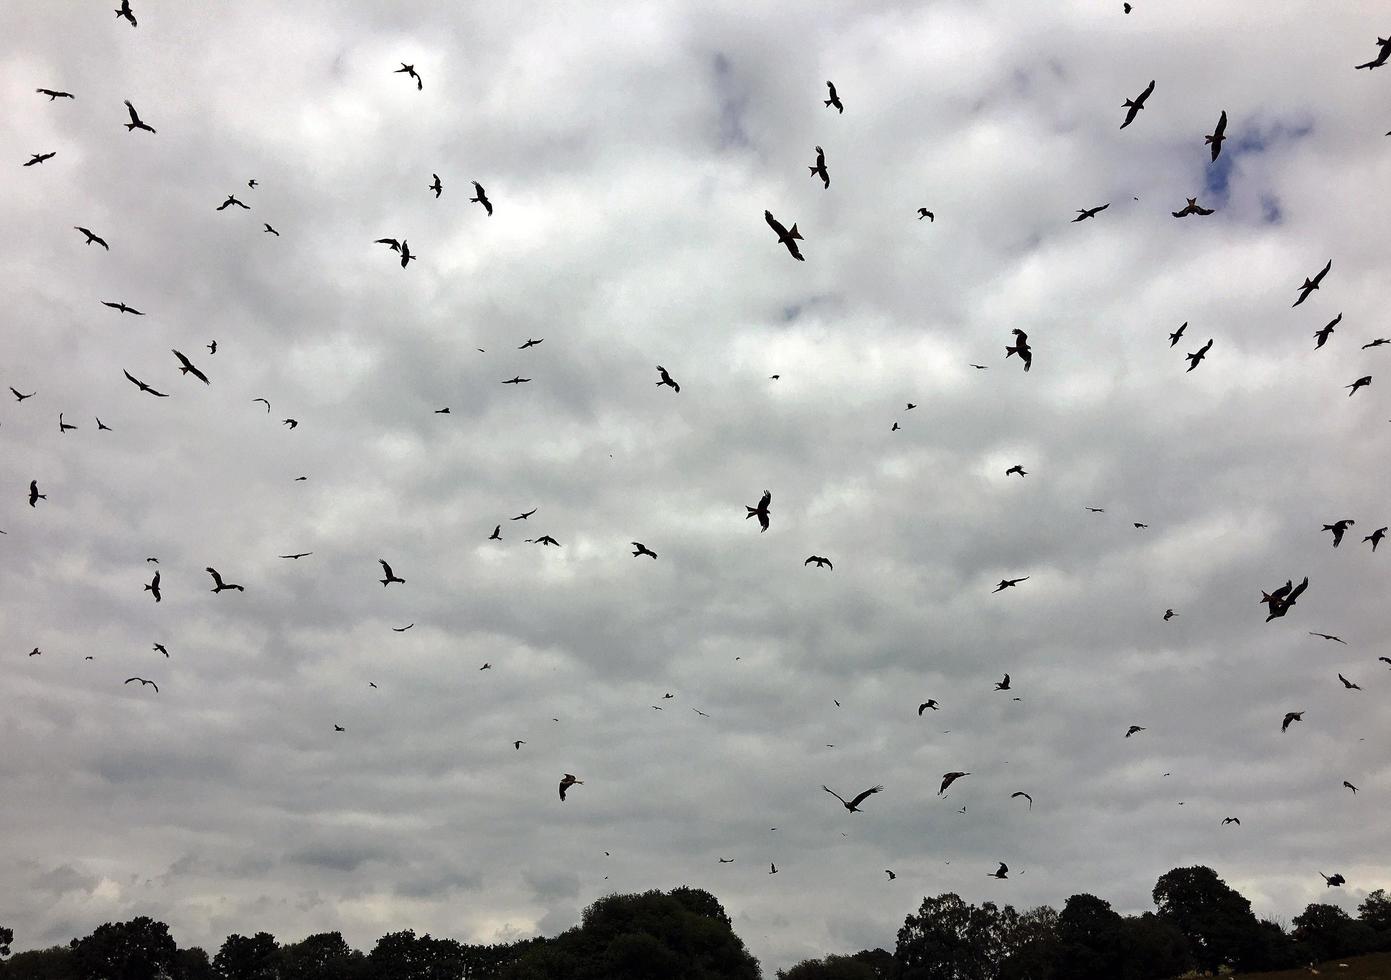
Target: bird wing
[(1221, 125), (833, 792), (869, 792), (765, 500), (385, 567), (131, 109)]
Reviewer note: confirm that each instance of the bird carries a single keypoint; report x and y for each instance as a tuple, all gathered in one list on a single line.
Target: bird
[(186, 367), (1290, 718), (949, 778), (1136, 104), (1381, 57), (394, 245), (701, 713), (252, 183), (1084, 213), (1339, 528), (102, 426), (566, 782), (517, 744), (93, 237), (761, 511), (909, 407), (63, 427), (143, 682), (1192, 207), (1139, 525), (785, 237), (980, 367), (497, 534), (400, 629), (854, 805), (1334, 880), (40, 158), (36, 652), (1025, 795), (34, 494), (122, 308), (231, 200), (135, 121), (1350, 786), (1169, 614), (53, 96), (666, 380), (929, 703), (820, 562), (297, 556), (522, 517), (1003, 685), (773, 867), (1349, 685), (1133, 730), (1329, 636), (390, 575), (153, 587), (1227, 820), (516, 380), (20, 397), (406, 255), (1375, 538), (1001, 872), (820, 169), (1095, 510), (264, 402), (1197, 356), (159, 648), (531, 343), (480, 196), (1008, 583), (894, 427), (1386, 660), (1174, 337), (1311, 284), (891, 875), (1322, 335), (339, 728), (486, 666), (1379, 342), (126, 12), (1016, 468), (218, 584), (269, 230), (1218, 135), (925, 213), (642, 549), (1280, 601), (1021, 347), (544, 540), (834, 99), (410, 72), (437, 187), (1361, 382)]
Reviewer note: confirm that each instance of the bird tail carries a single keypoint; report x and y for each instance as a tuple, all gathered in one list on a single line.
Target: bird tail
[(1128, 104), (1208, 140), (812, 169), (751, 511), (828, 102), (1011, 350), (794, 233)]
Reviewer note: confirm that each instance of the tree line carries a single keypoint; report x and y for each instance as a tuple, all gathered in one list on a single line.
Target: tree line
[(1200, 923)]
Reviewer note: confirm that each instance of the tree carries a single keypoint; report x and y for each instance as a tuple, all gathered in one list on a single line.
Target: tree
[(949, 939), (248, 958), (1375, 913), (322, 956), (404, 956), (1089, 939), (1327, 931), (140, 949), (54, 963), (830, 968), (1033, 946), (6, 937), (1155, 949), (1218, 922), (192, 964)]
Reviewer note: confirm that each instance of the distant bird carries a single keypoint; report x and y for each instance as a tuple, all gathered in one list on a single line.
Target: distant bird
[(980, 367), (925, 213), (34, 495), (1003, 685), (339, 728), (36, 652), (1192, 207), (1197, 356), (40, 158), (390, 575), (820, 562), (102, 426), (1016, 468), (929, 703), (1021, 347), (1311, 284), (531, 343), (1227, 820), (52, 95), (1169, 614), (666, 380), (854, 805), (93, 237), (894, 427), (1133, 730), (410, 72), (1174, 337), (1349, 685), (153, 587), (701, 713), (186, 367), (1291, 717), (269, 230), (480, 196), (1322, 335), (1333, 881), (20, 397), (522, 517), (400, 629), (406, 255), (297, 556), (125, 12), (785, 237), (544, 540), (820, 169), (566, 782), (1084, 213), (1282, 599), (486, 666), (231, 200), (263, 401), (1001, 872), (1095, 510), (143, 682), (218, 584), (292, 423), (642, 549), (834, 99), (1381, 57), (442, 411), (391, 243), (771, 865), (516, 380), (1139, 525), (251, 183), (497, 534), (437, 187), (1375, 538), (1386, 660), (135, 121), (1136, 104), (948, 779), (1361, 382), (909, 407), (1329, 636), (518, 744), (63, 427), (122, 308), (1339, 528), (1218, 135), (1379, 342), (1350, 786), (1026, 796), (891, 875), (159, 648), (1009, 583), (761, 511)]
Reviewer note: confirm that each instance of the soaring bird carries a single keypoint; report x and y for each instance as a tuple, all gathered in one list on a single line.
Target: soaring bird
[(159, 648), (186, 367), (1280, 601), (773, 868), (1227, 820), (391, 243), (1192, 207), (34, 495), (1025, 795), (125, 11), (854, 805), (517, 744), (666, 380), (929, 703), (820, 562), (339, 728), (102, 426), (63, 426), (135, 121), (1311, 284), (122, 308), (251, 183), (40, 158), (544, 540), (1381, 57), (92, 237), (263, 401), (1003, 684), (410, 72), (142, 385), (1375, 538), (1329, 636), (497, 534), (1084, 213), (480, 196), (1379, 342), (834, 99), (1174, 337), (1339, 528), (1197, 356), (522, 517), (1001, 872), (1322, 335), (1021, 347), (36, 652), (269, 230), (401, 629), (52, 95), (1094, 510), (925, 213), (1008, 583), (1333, 881), (820, 169), (761, 511), (531, 343), (1290, 717), (153, 587), (785, 237), (1361, 382), (566, 782), (292, 423), (218, 584), (437, 187), (1016, 468), (891, 875), (1133, 730), (1136, 104), (1349, 685), (949, 778), (143, 682), (1350, 786), (297, 556), (406, 255), (231, 200), (1169, 614), (20, 397), (390, 575), (1218, 135), (516, 379), (642, 549)]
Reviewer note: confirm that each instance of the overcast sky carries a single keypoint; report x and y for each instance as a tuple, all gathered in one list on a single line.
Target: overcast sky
[(630, 150)]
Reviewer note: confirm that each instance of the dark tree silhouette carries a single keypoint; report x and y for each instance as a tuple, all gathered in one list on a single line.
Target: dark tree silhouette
[(54, 963), (950, 939), (6, 937), (322, 956), (136, 950), (1218, 922), (1327, 931), (248, 958), (832, 967)]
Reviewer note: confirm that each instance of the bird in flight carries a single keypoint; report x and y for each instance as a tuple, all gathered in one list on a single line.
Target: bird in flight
[(785, 237), (186, 367), (92, 237), (1311, 284), (1280, 601), (1321, 336), (231, 200), (891, 875), (1192, 207), (266, 403), (1361, 382), (1136, 104), (63, 426), (40, 158), (481, 197), (1333, 881), (392, 243), (143, 682), (1001, 872), (339, 728), (390, 575), (820, 562), (135, 121), (773, 867), (1381, 57), (1133, 730), (410, 72), (820, 169), (102, 426), (292, 423), (1197, 356), (142, 385), (269, 230), (1139, 525), (19, 397), (566, 782), (1025, 795), (1169, 614), (929, 703), (159, 648), (299, 555), (153, 587), (1227, 820), (1016, 468), (34, 495), (218, 584), (642, 549), (516, 380), (122, 308), (1375, 538), (52, 95), (125, 11), (406, 255), (1329, 636), (1339, 528), (531, 343), (1218, 135), (1003, 684), (1084, 213), (522, 517), (1350, 786), (666, 380), (948, 779), (761, 511), (1008, 583), (1349, 685), (834, 99), (1290, 718), (1021, 347), (1174, 337), (854, 805), (1386, 660), (1094, 510), (437, 187), (1379, 342), (400, 629)]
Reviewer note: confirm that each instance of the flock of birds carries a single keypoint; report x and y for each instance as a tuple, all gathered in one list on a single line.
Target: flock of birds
[(1279, 602)]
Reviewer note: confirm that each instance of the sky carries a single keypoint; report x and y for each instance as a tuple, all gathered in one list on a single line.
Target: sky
[(630, 150)]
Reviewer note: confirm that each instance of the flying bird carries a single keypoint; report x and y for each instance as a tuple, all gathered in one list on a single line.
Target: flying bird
[(785, 237), (1218, 135), (929, 703), (1379, 342), (1329, 636), (1174, 337), (1227, 820), (1333, 881), (410, 72), (1282, 599), (1016, 468), (142, 385), (516, 380), (34, 495), (1350, 786), (1021, 347), (218, 584), (392, 243), (1133, 730), (761, 511), (497, 534), (1361, 382), (486, 666), (854, 805), (102, 426), (1375, 538), (522, 517), (153, 587), (566, 782), (390, 575), (292, 423), (518, 744), (773, 867), (437, 187), (1001, 872), (186, 367), (125, 11), (1136, 104), (1192, 207), (641, 549), (1094, 510), (269, 230), (1349, 685), (36, 652), (40, 158), (406, 255), (52, 95), (481, 197), (925, 213), (159, 648), (1026, 796), (1381, 57), (20, 397), (143, 682), (297, 556), (1003, 685), (891, 875), (135, 121), (1169, 614), (666, 380), (1084, 213), (339, 728), (1008, 583), (231, 200), (122, 308), (63, 427), (820, 562), (834, 99), (263, 401), (1311, 284), (1339, 528), (400, 629), (93, 237), (948, 779), (544, 540), (1197, 356), (1322, 335), (820, 169), (531, 343), (1291, 717)]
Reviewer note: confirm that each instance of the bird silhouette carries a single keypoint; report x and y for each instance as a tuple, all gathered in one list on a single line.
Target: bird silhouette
[(34, 495), (186, 367), (1227, 820), (516, 380), (153, 587), (522, 517), (20, 397), (1350, 786), (820, 562), (761, 511), (1003, 685), (52, 95), (232, 200), (63, 427), (297, 556), (1282, 599), (666, 380), (1361, 382), (1290, 718), (1025, 795), (102, 426), (1218, 135), (143, 682), (264, 402), (1332, 881), (480, 196), (1311, 284), (820, 169), (891, 875), (218, 584), (392, 243), (269, 230), (1169, 614), (1174, 337), (642, 549), (486, 666), (1339, 528), (135, 121), (929, 703), (1329, 636), (390, 575), (125, 11), (1197, 356), (339, 728), (1192, 207), (785, 237), (1021, 347), (834, 99), (1008, 583), (1322, 335), (40, 158), (1349, 685), (566, 782), (92, 237), (1379, 342), (406, 255), (122, 308), (948, 779), (252, 183), (1381, 57), (544, 540), (36, 652), (1094, 510), (1084, 213), (292, 423), (159, 648), (773, 868), (1133, 730), (497, 534), (436, 186), (1016, 468), (401, 629), (1001, 872), (854, 805), (531, 343), (1375, 538), (1136, 104), (410, 72)]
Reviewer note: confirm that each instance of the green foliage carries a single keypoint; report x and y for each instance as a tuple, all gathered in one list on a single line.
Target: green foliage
[(54, 963), (140, 949), (248, 958), (192, 964), (949, 939), (322, 956), (1327, 931), (830, 968), (1218, 922)]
